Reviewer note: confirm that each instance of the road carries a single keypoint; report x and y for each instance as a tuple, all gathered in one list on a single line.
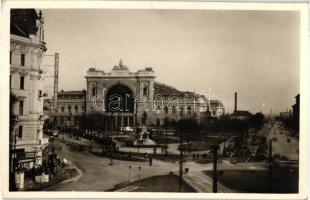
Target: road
[(98, 175), (282, 143)]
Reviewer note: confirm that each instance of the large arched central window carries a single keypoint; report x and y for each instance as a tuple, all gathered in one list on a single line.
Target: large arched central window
[(119, 99)]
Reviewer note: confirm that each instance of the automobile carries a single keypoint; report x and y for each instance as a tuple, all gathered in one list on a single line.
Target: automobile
[(128, 129)]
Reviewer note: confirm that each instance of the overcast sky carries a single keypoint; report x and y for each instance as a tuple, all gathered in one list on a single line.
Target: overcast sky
[(255, 53)]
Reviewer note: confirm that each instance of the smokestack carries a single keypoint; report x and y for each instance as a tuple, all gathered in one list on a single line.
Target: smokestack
[(236, 102)]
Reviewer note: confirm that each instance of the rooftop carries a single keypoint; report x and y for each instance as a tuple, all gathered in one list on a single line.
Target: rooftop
[(120, 70)]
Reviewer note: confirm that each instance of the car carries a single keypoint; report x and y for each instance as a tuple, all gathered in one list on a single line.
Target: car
[(128, 129)]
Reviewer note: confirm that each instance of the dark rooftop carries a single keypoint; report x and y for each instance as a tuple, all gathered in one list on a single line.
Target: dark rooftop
[(23, 22)]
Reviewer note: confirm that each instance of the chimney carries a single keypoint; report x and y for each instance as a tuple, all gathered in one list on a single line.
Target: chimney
[(236, 102)]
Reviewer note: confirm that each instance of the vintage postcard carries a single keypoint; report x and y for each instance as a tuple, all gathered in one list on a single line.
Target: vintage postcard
[(141, 99)]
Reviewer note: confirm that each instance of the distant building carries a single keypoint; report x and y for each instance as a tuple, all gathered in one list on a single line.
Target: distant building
[(296, 112), (128, 97), (216, 108), (70, 106), (239, 114), (285, 115), (26, 86)]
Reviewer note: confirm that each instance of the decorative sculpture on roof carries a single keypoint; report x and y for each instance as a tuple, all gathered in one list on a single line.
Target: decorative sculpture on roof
[(120, 66)]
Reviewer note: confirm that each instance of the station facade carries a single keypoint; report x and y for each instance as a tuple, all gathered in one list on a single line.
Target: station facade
[(135, 98)]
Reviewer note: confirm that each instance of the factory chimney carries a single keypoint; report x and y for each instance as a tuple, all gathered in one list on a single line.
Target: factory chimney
[(235, 102)]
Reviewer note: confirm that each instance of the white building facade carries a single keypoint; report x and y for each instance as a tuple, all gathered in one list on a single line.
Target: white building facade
[(26, 87)]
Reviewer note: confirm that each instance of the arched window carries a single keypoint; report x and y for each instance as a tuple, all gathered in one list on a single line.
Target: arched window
[(189, 109), (166, 109), (173, 110), (69, 108), (158, 109), (181, 110), (145, 91), (94, 91), (76, 108), (62, 109)]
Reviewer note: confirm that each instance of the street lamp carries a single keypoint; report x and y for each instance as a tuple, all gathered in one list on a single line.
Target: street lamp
[(214, 148), (139, 178), (181, 158), (166, 124), (111, 141)]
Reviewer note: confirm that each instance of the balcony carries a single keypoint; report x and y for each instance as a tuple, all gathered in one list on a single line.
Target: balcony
[(19, 93)]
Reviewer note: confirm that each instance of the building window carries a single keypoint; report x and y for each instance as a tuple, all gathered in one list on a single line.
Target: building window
[(10, 57), (69, 109), (76, 121), (173, 110), (94, 91), (40, 93), (166, 109), (145, 91), (20, 132), (21, 107), (22, 59), (76, 108), (189, 110), (22, 82), (62, 109), (181, 110)]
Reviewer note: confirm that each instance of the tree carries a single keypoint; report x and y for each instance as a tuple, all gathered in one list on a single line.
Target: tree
[(257, 121), (190, 129)]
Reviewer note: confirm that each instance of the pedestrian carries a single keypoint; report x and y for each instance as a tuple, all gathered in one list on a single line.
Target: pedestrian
[(150, 161)]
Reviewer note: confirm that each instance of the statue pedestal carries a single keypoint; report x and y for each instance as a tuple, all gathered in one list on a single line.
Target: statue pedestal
[(143, 138)]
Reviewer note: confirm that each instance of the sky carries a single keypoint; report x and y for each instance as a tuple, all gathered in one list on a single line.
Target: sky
[(254, 53)]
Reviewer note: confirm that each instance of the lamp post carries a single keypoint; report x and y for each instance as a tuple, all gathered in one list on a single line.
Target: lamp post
[(110, 141), (139, 178), (214, 147), (166, 124), (181, 159), (270, 163)]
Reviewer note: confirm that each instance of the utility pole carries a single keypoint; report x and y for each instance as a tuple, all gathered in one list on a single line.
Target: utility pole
[(166, 124), (139, 178), (270, 157), (181, 162), (111, 141), (214, 147)]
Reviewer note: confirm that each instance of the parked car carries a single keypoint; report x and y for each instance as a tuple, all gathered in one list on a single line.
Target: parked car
[(128, 129)]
